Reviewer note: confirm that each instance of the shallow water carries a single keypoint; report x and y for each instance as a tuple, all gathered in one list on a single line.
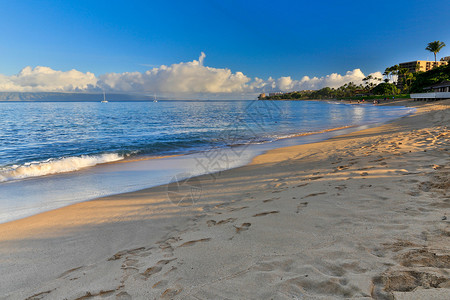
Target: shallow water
[(51, 154)]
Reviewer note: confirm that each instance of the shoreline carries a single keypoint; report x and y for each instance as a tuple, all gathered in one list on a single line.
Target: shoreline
[(226, 199), (108, 170), (296, 139), (126, 158)]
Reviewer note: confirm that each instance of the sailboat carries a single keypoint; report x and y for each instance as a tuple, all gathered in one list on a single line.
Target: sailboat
[(104, 98), (154, 98)]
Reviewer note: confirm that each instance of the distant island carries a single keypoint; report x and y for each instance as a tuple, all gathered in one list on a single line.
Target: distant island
[(69, 97)]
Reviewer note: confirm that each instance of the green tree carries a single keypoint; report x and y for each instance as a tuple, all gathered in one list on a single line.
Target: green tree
[(367, 82), (425, 79), (417, 67), (391, 71), (409, 78), (402, 76), (435, 47), (385, 89)]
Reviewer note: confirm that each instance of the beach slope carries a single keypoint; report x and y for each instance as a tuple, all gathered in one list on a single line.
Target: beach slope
[(363, 215)]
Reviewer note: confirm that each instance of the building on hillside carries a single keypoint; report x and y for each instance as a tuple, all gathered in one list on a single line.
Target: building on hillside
[(422, 65), (419, 66), (274, 94), (447, 59)]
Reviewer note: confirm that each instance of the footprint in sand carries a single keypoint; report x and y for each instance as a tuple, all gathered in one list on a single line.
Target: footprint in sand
[(120, 254), (213, 223), (301, 185), (423, 258), (69, 271), (101, 294), (160, 284), (366, 168), (363, 186), (315, 178), (243, 227), (171, 293), (271, 199), (123, 296), (151, 271), (39, 296), (340, 168), (130, 263), (190, 243), (280, 185), (236, 208), (314, 194), (156, 269), (165, 261), (378, 160), (266, 213), (301, 206), (404, 281), (166, 246), (341, 187)]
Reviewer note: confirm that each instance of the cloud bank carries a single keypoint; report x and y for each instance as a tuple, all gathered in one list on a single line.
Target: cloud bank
[(286, 84), (182, 78), (189, 77), (44, 79)]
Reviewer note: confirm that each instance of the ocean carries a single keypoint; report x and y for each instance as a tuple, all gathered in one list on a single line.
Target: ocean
[(54, 154)]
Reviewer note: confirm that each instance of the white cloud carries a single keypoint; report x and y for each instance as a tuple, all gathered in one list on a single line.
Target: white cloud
[(185, 78), (286, 84), (43, 79)]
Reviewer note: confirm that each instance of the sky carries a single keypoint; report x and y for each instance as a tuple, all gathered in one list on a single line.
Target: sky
[(210, 46)]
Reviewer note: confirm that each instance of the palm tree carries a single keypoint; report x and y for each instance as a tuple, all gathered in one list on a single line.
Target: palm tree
[(435, 47), (390, 71), (417, 67), (409, 78)]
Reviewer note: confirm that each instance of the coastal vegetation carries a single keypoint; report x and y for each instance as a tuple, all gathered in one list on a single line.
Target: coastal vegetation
[(372, 87), (425, 79), (347, 91), (385, 88)]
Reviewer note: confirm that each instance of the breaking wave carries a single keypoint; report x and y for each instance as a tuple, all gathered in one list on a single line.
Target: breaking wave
[(54, 166)]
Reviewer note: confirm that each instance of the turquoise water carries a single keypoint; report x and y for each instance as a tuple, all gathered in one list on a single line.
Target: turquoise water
[(49, 150)]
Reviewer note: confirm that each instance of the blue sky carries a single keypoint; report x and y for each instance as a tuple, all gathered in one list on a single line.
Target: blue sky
[(258, 38)]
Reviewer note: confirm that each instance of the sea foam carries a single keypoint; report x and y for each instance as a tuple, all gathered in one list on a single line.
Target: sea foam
[(54, 166)]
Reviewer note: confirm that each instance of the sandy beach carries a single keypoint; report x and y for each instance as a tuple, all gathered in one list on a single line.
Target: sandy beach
[(363, 215)]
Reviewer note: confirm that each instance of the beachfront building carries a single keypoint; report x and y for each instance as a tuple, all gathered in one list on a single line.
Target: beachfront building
[(422, 65), (276, 93), (439, 87), (419, 66), (447, 59), (437, 91)]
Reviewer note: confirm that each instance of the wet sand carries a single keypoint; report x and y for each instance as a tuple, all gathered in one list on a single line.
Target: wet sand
[(362, 215)]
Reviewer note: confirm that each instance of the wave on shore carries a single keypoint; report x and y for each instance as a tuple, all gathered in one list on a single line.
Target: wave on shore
[(54, 166)]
